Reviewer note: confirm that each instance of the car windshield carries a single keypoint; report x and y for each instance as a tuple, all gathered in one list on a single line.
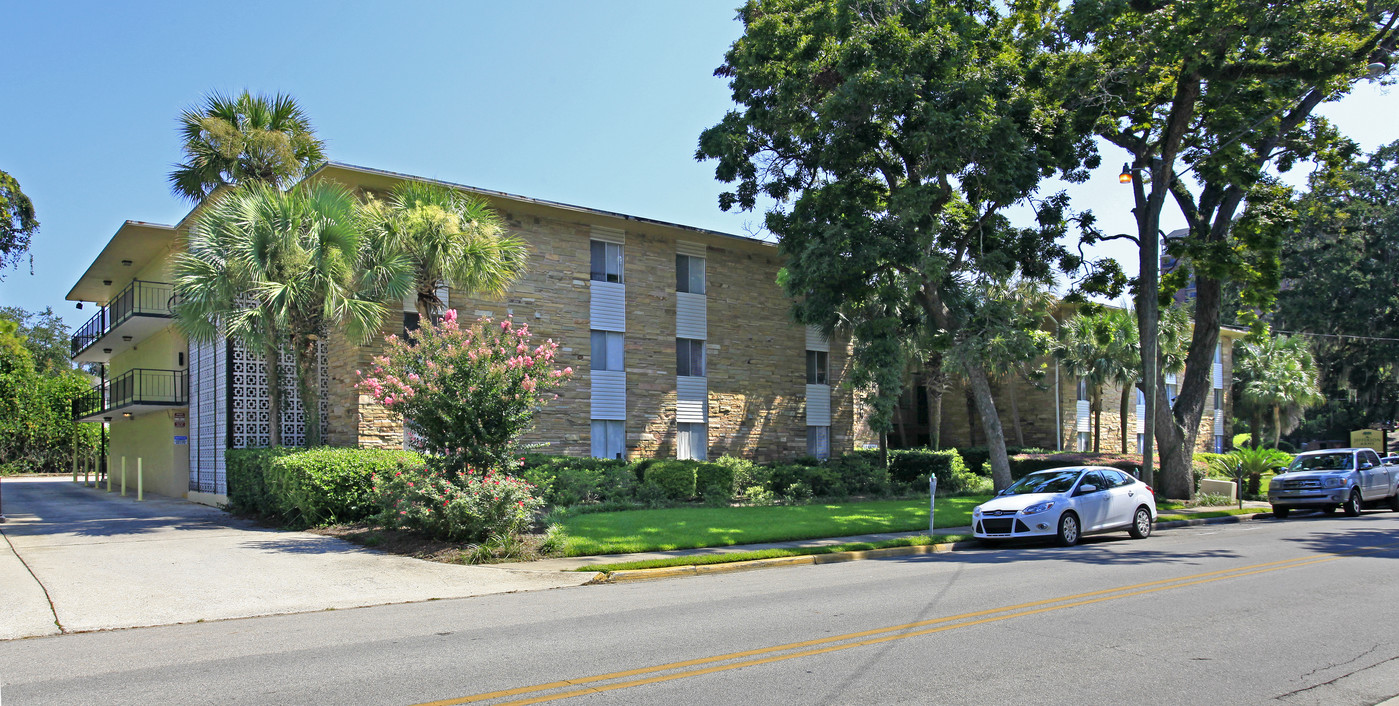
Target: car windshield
[(1046, 482), (1323, 462)]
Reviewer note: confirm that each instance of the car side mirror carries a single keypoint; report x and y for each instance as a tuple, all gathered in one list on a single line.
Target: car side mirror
[(1366, 465), (1085, 489)]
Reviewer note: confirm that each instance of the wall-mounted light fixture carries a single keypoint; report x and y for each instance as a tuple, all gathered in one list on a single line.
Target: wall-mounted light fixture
[(126, 414), (106, 350), (80, 305), (126, 339), (1126, 176), (126, 263), (106, 283)]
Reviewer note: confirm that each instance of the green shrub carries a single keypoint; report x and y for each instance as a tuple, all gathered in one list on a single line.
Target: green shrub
[(862, 473), (914, 466), (331, 485), (675, 478), (714, 482), (746, 474), (467, 508), (566, 481), (978, 458), (1022, 465), (814, 481), (246, 477)]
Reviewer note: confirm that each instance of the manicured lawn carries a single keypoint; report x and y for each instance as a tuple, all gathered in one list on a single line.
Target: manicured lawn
[(695, 527)]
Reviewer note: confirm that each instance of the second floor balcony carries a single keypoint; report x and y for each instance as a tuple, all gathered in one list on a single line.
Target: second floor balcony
[(133, 315), (133, 393)]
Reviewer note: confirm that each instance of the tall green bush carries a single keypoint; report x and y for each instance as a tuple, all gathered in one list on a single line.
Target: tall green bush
[(566, 481), (714, 482), (914, 466), (675, 478), (309, 486), (246, 477)]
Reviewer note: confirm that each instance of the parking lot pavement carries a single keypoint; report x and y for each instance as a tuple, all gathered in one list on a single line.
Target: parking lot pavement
[(77, 558)]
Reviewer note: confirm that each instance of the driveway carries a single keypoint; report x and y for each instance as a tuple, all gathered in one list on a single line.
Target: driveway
[(75, 558)]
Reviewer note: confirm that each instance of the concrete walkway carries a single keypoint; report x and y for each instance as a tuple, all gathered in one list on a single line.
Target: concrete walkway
[(75, 558)]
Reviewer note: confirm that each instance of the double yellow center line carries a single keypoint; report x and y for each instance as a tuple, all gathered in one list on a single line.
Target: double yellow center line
[(540, 693)]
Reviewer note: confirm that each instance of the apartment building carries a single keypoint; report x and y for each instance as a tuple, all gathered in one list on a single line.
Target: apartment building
[(681, 342)]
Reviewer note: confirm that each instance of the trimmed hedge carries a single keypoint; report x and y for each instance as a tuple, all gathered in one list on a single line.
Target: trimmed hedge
[(914, 466), (564, 481), (714, 482), (246, 477), (675, 478), (1022, 465), (310, 486)]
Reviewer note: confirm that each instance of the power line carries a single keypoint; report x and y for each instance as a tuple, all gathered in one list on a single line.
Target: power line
[(1341, 336)]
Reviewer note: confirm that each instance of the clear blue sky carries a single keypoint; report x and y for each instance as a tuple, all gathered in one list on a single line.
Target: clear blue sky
[(595, 103)]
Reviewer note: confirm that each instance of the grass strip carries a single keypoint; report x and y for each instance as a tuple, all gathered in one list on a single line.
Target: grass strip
[(1210, 513), (634, 531), (730, 557)]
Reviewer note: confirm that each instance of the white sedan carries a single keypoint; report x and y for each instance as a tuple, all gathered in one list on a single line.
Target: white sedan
[(1067, 503)]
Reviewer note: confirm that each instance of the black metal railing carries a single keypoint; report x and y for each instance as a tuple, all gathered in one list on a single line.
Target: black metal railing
[(140, 386), (140, 298)]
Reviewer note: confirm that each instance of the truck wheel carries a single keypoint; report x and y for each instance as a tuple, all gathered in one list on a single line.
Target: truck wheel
[(1352, 506), (1068, 530), (1281, 512), (1394, 502)]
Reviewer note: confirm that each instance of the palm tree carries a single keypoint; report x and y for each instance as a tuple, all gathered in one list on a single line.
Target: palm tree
[(229, 141), (450, 238), (283, 267), (1278, 373), (1085, 350)]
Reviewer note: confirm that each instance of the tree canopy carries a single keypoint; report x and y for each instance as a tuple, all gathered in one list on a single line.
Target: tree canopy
[(891, 136), (1208, 99), (18, 223), (233, 140)]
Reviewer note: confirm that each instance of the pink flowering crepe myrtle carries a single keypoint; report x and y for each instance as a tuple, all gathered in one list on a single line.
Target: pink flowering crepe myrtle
[(467, 392)]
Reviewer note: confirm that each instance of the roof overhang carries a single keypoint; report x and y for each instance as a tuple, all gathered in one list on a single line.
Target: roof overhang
[(135, 245)]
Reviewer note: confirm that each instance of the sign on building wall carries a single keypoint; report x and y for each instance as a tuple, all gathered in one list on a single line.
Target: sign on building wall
[(1367, 439)]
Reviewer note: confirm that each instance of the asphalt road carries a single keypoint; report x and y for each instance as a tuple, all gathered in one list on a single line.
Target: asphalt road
[(1295, 612)]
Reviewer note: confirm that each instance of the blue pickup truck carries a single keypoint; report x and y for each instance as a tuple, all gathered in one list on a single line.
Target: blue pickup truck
[(1325, 480)]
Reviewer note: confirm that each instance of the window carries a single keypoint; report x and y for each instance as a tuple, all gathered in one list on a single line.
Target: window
[(1083, 441), (1219, 443), (1082, 390), (1141, 442), (609, 439), (1219, 399), (1218, 352), (410, 323), (607, 261), (816, 367), (1170, 393), (691, 441), (689, 274), (607, 350), (689, 357), (1094, 479), (1141, 396), (818, 442)]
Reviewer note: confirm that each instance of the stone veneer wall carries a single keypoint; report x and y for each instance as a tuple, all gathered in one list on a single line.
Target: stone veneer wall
[(756, 357), (1036, 408)]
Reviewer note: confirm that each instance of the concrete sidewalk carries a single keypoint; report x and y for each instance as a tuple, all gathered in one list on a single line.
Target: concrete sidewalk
[(75, 558)]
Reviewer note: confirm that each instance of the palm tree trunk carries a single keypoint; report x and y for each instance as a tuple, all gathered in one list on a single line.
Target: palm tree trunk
[(1277, 425), (899, 422), (1015, 413), (971, 417), (308, 385), (935, 391), (1097, 419), (270, 356), (1256, 429), (1122, 414)]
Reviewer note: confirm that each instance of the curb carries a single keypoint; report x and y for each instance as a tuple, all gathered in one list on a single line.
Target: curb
[(626, 575), (736, 566)]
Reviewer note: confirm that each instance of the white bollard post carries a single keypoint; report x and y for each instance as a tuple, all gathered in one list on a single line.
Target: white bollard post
[(123, 476), (139, 480)]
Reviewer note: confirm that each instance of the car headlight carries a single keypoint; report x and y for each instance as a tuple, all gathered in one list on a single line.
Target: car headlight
[(1335, 482), (976, 510), (1037, 508)]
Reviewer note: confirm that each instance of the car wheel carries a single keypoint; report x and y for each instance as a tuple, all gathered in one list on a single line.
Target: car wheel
[(1141, 524), (1352, 506), (1394, 502), (1068, 529), (1281, 512)]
